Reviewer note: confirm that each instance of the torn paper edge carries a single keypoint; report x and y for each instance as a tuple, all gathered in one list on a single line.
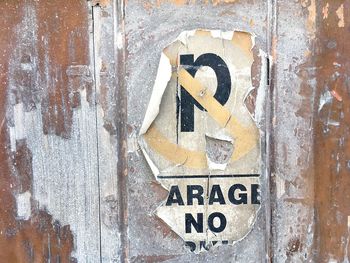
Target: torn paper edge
[(163, 77), (150, 162), (215, 33), (212, 166), (165, 71), (216, 166)]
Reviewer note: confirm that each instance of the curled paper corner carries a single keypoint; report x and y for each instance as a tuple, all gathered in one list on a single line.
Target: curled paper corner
[(160, 84)]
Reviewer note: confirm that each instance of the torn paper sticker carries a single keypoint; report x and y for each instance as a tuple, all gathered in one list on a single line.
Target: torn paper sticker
[(201, 141)]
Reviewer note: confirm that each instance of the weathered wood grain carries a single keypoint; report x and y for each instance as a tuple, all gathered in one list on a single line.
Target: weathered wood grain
[(108, 37), (331, 126), (49, 159), (292, 137)]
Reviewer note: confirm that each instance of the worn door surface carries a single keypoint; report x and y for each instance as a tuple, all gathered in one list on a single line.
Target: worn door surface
[(82, 163)]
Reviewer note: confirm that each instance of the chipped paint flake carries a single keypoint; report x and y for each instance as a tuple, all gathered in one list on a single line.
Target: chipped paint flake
[(340, 14), (325, 11), (311, 22), (325, 99), (336, 95), (120, 40), (17, 132), (23, 205)]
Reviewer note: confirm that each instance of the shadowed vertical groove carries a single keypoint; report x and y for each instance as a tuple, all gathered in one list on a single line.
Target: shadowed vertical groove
[(269, 109), (93, 8), (121, 136)]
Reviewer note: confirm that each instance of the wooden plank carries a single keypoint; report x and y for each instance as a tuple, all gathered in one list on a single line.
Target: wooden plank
[(294, 84), (111, 115), (311, 218), (49, 165), (331, 126)]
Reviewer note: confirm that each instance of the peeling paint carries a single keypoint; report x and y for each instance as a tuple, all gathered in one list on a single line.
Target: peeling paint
[(56, 157), (47, 70)]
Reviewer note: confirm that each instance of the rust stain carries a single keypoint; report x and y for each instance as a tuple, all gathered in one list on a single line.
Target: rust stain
[(274, 43), (159, 191), (38, 239), (332, 143)]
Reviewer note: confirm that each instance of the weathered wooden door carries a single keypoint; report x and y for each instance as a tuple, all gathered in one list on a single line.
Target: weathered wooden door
[(80, 172)]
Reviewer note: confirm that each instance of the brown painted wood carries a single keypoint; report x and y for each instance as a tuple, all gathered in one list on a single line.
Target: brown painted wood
[(44, 45), (331, 124)]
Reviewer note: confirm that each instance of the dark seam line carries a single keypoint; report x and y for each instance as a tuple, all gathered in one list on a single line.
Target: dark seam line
[(207, 176), (97, 134)]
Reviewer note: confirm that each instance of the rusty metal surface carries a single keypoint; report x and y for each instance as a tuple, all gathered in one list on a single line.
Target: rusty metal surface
[(74, 185)]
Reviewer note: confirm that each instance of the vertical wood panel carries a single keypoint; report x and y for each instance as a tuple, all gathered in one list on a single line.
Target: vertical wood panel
[(108, 39), (151, 26), (49, 163), (332, 155), (294, 87)]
